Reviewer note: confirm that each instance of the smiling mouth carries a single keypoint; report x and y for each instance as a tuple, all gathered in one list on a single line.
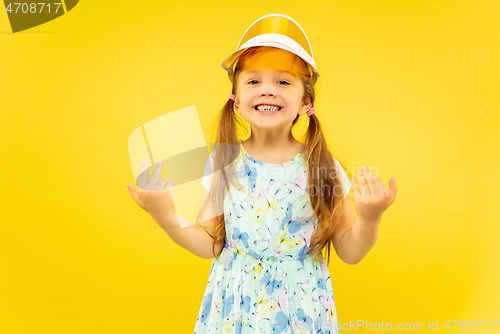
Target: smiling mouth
[(275, 108)]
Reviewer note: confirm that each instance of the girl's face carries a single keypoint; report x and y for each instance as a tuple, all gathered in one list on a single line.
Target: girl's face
[(267, 80)]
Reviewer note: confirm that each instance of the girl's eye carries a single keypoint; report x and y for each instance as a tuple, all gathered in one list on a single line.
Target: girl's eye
[(286, 82)]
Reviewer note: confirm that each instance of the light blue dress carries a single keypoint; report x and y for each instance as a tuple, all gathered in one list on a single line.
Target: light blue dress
[(265, 284)]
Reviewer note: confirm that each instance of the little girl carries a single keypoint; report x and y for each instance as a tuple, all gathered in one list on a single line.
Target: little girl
[(271, 203)]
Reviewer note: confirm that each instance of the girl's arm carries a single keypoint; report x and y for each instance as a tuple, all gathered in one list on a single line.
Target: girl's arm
[(193, 237), (353, 237)]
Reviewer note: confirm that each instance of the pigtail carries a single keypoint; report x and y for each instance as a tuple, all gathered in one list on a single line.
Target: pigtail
[(226, 151), (327, 204)]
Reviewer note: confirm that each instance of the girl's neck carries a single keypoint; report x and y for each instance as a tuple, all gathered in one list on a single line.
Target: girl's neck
[(275, 151)]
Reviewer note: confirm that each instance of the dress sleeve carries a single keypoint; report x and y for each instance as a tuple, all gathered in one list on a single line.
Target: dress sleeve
[(208, 172), (343, 178)]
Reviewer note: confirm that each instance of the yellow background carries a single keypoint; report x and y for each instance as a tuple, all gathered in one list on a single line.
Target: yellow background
[(409, 88)]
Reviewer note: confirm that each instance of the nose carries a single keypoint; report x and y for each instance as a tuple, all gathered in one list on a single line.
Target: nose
[(267, 90)]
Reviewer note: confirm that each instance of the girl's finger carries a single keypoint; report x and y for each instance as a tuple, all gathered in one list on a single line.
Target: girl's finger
[(355, 187), (143, 178), (371, 181), (133, 193), (156, 173), (362, 183), (382, 188), (162, 183), (393, 188)]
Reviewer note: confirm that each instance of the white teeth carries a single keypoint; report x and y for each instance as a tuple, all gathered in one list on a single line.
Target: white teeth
[(267, 108)]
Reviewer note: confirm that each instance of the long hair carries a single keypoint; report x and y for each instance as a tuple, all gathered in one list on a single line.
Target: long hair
[(325, 189)]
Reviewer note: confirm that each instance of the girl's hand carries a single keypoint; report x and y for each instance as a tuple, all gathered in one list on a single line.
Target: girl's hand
[(371, 197), (154, 197)]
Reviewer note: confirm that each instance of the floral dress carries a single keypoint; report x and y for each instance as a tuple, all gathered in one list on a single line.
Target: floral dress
[(265, 283)]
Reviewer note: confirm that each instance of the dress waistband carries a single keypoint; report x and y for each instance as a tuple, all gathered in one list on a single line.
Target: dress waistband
[(262, 257), (262, 262)]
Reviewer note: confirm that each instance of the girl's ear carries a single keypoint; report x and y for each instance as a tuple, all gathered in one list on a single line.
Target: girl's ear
[(304, 108), (237, 105)]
